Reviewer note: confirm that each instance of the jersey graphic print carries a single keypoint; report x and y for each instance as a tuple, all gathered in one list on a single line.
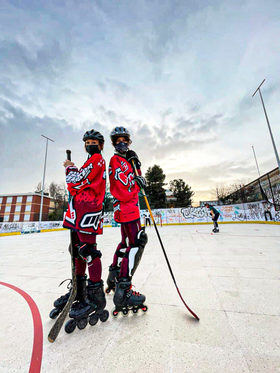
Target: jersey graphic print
[(125, 180), (71, 217), (124, 190), (91, 219), (74, 177), (87, 188)]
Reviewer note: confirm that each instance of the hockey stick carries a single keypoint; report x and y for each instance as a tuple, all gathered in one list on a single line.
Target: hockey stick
[(161, 244), (61, 318)]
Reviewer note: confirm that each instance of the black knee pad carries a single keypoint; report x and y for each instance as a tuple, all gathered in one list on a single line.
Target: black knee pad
[(134, 256), (136, 251), (88, 252), (142, 239)]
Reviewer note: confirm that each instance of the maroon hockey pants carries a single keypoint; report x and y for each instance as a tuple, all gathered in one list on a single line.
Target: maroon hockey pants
[(129, 233), (94, 267)]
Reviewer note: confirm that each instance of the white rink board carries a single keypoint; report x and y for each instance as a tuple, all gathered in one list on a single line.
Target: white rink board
[(231, 280)]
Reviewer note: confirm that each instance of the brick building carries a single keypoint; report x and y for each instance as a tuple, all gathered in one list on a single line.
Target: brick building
[(24, 207)]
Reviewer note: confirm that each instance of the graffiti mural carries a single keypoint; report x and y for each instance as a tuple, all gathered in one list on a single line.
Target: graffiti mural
[(195, 213)]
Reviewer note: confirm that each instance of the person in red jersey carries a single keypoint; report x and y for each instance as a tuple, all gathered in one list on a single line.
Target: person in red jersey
[(124, 187), (84, 215)]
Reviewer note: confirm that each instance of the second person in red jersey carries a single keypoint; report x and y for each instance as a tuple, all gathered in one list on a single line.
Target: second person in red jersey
[(124, 187)]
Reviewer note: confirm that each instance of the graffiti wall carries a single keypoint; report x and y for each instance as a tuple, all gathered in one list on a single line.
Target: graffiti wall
[(255, 211)]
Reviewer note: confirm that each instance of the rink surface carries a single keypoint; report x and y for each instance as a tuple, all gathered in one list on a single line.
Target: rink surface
[(231, 280)]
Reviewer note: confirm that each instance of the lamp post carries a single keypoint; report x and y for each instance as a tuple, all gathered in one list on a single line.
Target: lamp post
[(43, 181), (268, 124)]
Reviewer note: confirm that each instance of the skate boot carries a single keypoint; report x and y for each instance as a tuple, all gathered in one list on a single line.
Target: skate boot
[(114, 272), (96, 295), (60, 302), (125, 299), (215, 230), (81, 308)]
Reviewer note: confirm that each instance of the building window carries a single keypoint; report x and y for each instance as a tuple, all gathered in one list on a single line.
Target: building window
[(19, 199), (16, 217), (29, 199), (6, 218), (9, 199), (7, 208), (18, 207), (26, 217), (28, 208)]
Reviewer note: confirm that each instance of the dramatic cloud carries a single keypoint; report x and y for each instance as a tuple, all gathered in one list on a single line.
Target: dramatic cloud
[(178, 74)]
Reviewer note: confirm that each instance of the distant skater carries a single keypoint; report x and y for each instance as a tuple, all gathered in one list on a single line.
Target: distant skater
[(147, 219), (215, 216)]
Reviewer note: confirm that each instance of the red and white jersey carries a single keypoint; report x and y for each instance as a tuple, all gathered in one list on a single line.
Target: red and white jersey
[(87, 188), (124, 189)]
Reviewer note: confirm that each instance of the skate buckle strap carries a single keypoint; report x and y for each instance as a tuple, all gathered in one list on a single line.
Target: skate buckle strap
[(69, 283), (136, 293)]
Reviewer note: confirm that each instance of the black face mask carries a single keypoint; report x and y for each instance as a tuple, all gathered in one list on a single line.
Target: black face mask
[(92, 149), (121, 147)]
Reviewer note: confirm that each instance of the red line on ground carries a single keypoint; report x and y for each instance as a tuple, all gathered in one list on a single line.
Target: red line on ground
[(37, 351)]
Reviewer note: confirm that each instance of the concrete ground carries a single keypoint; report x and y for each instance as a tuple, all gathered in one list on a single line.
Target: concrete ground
[(231, 280)]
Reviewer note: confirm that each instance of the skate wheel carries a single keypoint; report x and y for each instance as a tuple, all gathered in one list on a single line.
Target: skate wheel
[(135, 310), (70, 326), (144, 308), (81, 324), (93, 319), (104, 316), (54, 313), (115, 313), (125, 312)]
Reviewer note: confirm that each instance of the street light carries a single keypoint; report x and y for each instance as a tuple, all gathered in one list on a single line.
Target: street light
[(43, 182), (272, 139)]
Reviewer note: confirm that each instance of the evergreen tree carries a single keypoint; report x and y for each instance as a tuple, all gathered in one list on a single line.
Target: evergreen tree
[(182, 192), (154, 190)]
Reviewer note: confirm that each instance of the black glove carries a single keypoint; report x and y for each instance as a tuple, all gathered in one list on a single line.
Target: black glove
[(141, 181), (132, 156)]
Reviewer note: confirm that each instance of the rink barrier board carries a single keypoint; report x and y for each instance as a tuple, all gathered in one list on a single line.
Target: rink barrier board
[(165, 224)]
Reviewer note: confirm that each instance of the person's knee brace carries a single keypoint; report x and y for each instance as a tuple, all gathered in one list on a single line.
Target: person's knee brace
[(88, 252), (135, 253), (142, 238)]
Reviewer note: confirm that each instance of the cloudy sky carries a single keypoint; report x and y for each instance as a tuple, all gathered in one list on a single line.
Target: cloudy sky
[(178, 74)]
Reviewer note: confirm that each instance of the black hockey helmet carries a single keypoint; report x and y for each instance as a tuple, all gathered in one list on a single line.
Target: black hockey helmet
[(119, 132), (94, 135)]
